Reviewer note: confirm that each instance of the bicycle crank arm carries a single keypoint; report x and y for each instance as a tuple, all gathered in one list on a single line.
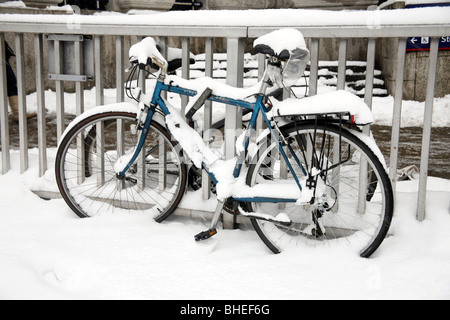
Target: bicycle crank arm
[(212, 229)]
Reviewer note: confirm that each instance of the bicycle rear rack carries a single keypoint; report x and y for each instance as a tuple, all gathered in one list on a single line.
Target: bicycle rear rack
[(317, 150)]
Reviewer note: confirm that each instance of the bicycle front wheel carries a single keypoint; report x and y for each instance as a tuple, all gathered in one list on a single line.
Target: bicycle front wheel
[(352, 200), (87, 180)]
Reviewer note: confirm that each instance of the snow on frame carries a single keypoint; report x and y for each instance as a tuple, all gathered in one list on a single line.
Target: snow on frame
[(330, 102), (282, 39)]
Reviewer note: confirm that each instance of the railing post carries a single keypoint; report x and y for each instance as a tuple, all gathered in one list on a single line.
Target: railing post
[(314, 67), (368, 95), (342, 75), (261, 71), (79, 86), (142, 75), (40, 97), (397, 115), (99, 100), (370, 72), (233, 116), (342, 64), (427, 124), (98, 56), (209, 61), (6, 161), (59, 86), (79, 97), (185, 47), (120, 96), (235, 78), (21, 90)]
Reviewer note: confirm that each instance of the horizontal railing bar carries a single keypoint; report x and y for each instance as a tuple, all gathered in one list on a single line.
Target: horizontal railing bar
[(382, 25), (385, 31), (124, 30)]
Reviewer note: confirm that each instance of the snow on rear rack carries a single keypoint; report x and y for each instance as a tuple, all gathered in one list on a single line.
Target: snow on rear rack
[(338, 103)]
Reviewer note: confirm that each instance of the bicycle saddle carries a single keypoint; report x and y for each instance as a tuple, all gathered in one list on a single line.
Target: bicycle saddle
[(282, 44), (174, 59)]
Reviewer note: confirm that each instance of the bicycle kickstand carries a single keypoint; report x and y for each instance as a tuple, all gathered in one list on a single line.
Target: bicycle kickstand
[(212, 229)]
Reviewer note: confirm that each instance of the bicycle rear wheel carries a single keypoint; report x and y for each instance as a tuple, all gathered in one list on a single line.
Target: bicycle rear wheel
[(87, 180), (352, 203)]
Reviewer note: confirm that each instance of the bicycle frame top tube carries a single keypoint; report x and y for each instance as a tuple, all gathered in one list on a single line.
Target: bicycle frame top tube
[(161, 86)]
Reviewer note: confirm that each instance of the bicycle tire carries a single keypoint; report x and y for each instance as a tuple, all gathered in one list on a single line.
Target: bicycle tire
[(378, 197), (96, 191)]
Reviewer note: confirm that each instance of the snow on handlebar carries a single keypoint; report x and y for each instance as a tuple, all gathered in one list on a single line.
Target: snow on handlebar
[(146, 52)]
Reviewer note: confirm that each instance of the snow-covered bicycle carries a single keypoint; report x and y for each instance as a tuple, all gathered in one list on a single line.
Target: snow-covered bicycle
[(310, 178)]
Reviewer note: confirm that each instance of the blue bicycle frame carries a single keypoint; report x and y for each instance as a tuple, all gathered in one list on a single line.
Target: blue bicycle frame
[(256, 107)]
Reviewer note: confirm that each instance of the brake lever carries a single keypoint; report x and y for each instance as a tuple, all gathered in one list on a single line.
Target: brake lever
[(133, 64)]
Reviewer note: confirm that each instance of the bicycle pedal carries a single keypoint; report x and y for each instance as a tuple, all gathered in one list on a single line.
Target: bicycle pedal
[(205, 235)]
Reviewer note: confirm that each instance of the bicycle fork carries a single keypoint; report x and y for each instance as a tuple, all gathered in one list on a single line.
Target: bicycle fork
[(124, 163)]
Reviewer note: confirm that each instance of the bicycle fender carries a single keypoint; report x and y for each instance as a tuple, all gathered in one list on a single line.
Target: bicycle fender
[(371, 143)]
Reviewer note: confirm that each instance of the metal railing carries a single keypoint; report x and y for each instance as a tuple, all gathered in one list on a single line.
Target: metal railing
[(235, 36)]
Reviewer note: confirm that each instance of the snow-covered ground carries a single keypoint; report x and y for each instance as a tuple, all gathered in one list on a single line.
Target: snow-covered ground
[(46, 252)]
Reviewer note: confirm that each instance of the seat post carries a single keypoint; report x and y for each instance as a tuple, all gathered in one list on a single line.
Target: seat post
[(265, 83)]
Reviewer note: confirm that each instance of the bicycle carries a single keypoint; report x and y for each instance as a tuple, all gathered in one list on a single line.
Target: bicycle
[(310, 178)]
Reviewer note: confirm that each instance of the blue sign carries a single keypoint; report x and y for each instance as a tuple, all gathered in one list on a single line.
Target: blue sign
[(424, 5), (423, 43)]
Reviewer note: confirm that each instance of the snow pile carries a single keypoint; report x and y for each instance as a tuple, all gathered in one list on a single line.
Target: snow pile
[(46, 252), (412, 112), (13, 4), (330, 102), (146, 50), (282, 39)]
